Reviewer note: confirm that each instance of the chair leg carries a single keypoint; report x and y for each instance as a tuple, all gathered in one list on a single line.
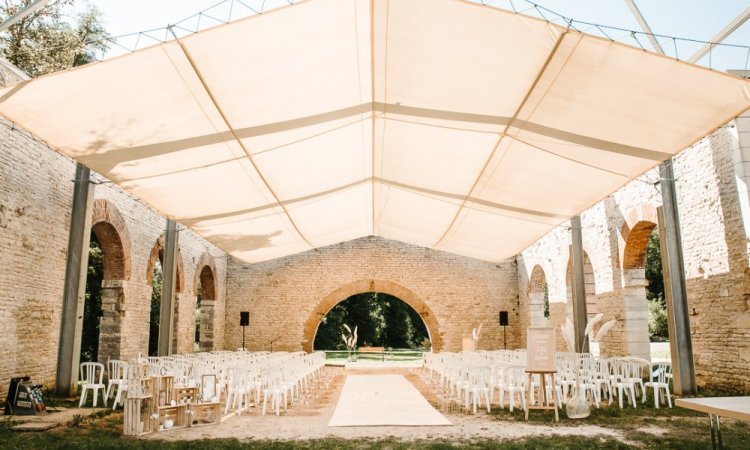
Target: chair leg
[(96, 396), (83, 398)]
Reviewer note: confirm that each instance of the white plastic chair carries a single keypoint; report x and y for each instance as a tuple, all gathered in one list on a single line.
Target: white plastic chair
[(478, 387), (117, 377), (658, 381), (514, 382), (92, 375), (625, 380)]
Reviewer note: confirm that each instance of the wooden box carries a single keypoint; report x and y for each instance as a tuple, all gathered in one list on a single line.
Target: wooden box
[(139, 417), (163, 390), (205, 413), (141, 388), (177, 414), (185, 395)]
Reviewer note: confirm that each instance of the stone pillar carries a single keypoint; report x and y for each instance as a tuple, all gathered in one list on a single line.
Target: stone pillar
[(536, 309), (637, 342), (207, 325), (110, 325)]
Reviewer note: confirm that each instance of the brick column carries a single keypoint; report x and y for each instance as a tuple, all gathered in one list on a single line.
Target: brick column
[(207, 325), (636, 313), (110, 325)]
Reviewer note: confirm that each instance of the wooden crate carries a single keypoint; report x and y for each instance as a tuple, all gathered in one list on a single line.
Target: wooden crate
[(178, 414), (138, 416), (185, 395), (205, 413), (141, 388), (164, 390)]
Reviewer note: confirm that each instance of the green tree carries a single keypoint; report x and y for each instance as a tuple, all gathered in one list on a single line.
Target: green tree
[(92, 309), (382, 321), (153, 328), (657, 307), (654, 274), (45, 42)]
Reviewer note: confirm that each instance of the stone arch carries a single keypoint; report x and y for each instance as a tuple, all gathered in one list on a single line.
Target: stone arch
[(157, 254), (589, 285), (636, 338), (114, 239), (110, 230), (205, 275), (537, 296), (357, 287)]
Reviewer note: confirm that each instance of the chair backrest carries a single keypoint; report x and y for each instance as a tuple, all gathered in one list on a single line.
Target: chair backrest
[(117, 369), (92, 373), (515, 376), (660, 372)]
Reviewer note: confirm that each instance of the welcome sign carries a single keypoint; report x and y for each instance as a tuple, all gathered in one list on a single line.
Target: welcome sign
[(540, 355)]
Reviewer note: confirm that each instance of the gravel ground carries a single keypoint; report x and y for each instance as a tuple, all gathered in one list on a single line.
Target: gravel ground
[(309, 420)]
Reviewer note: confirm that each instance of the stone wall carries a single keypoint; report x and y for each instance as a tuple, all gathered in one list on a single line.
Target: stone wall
[(287, 297), (36, 187), (715, 252)]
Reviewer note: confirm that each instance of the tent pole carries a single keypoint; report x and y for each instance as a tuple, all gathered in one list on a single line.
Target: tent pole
[(74, 291), (579, 286)]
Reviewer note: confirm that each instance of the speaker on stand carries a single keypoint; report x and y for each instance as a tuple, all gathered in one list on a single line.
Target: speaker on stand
[(504, 323), (244, 322)]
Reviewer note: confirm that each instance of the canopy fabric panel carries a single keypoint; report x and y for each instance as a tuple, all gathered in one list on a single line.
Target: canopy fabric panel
[(440, 123)]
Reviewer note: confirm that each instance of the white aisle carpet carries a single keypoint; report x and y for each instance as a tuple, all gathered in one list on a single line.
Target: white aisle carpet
[(378, 400)]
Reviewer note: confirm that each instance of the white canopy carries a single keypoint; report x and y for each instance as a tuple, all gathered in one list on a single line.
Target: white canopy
[(441, 123)]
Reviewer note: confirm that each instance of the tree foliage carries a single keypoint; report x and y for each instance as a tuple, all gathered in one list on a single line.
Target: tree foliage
[(382, 320), (45, 41), (92, 309), (657, 307)]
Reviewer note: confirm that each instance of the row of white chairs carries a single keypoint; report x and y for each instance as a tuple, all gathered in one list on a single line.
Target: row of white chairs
[(472, 379), (240, 378)]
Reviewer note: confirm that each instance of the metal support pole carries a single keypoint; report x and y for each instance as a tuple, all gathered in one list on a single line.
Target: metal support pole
[(579, 287), (74, 293), (166, 318), (680, 341)]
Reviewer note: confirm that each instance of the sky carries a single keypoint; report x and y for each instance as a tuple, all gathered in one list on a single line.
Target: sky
[(693, 19)]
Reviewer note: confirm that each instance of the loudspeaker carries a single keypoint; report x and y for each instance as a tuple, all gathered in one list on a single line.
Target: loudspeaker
[(244, 318), (503, 318)]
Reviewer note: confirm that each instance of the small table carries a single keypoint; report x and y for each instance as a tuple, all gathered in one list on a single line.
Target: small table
[(732, 407)]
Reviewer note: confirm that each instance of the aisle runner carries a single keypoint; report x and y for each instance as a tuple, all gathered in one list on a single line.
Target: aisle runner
[(374, 400)]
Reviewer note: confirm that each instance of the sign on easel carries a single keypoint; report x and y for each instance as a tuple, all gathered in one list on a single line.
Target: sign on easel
[(540, 362), (540, 353)]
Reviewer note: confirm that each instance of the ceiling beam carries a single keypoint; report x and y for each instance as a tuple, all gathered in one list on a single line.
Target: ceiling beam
[(37, 5), (644, 26), (721, 35)]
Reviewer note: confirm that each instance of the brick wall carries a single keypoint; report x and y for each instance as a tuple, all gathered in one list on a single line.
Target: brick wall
[(283, 295), (36, 186), (715, 254)]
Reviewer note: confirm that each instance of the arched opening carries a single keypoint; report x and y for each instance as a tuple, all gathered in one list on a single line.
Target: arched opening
[(643, 290), (109, 268), (382, 320), (538, 298), (205, 298), (155, 309), (382, 286), (103, 304), (92, 308), (155, 278), (589, 286)]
